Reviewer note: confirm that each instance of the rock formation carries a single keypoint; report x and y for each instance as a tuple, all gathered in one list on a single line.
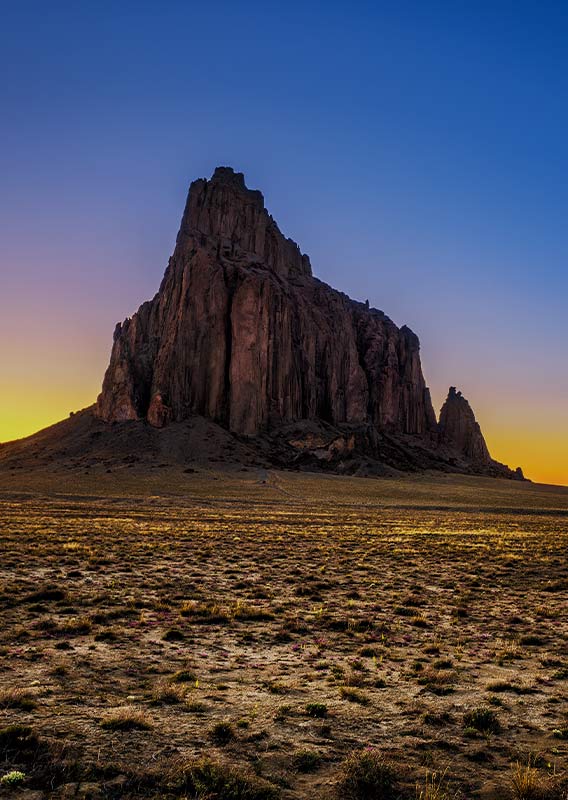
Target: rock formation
[(241, 333), (459, 430)]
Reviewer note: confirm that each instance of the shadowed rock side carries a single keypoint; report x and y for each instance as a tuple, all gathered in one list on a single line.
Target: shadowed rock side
[(243, 357), (240, 332), (458, 429)]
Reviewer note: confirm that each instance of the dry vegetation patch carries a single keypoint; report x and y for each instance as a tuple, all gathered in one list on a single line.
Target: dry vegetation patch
[(250, 638)]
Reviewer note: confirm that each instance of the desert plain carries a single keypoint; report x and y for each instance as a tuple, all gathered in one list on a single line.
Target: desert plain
[(253, 634)]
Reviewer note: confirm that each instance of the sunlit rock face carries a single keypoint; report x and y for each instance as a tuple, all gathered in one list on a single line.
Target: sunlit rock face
[(241, 332), (459, 430)]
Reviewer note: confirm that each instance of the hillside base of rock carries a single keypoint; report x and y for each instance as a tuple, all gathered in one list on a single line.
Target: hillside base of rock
[(83, 443)]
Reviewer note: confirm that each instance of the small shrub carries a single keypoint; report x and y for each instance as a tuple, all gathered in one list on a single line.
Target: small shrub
[(45, 624), (307, 761), (502, 686), (494, 700), (196, 707), (283, 712), (173, 635), (438, 719), (76, 626), (206, 779), (532, 640), (527, 783), (205, 613), (17, 739), (437, 681), (184, 676), (324, 731), (17, 698), (561, 674), (274, 687), (509, 652), (443, 663), (168, 695), (48, 594), (106, 636), (244, 612), (222, 733), (126, 719), (483, 720), (13, 778), (366, 775), (354, 695), (318, 710), (413, 601)]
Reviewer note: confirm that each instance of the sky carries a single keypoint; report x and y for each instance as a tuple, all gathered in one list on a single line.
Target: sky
[(416, 151)]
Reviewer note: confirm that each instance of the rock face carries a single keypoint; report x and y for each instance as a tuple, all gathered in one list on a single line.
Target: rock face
[(241, 333), (459, 430)]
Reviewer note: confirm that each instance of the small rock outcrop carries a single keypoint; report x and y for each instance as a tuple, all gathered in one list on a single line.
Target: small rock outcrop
[(459, 430)]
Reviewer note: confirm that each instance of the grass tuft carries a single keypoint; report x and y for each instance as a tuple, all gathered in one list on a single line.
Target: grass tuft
[(127, 719), (317, 710), (207, 780), (366, 775), (482, 719), (22, 699)]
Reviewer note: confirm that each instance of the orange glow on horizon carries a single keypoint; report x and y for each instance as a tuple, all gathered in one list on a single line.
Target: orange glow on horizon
[(541, 453), (25, 418)]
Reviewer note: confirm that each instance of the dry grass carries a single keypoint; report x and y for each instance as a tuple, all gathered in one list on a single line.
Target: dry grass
[(17, 698), (434, 787), (528, 783), (127, 719), (270, 636), (206, 779)]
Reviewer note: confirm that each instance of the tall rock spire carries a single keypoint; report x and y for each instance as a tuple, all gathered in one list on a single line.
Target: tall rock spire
[(233, 218), (240, 332), (459, 430)]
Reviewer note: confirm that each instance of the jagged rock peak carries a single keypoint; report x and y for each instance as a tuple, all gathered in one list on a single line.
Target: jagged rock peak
[(224, 213), (459, 430), (228, 175)]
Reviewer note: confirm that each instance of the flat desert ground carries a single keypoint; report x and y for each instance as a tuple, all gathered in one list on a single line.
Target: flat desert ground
[(260, 634)]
